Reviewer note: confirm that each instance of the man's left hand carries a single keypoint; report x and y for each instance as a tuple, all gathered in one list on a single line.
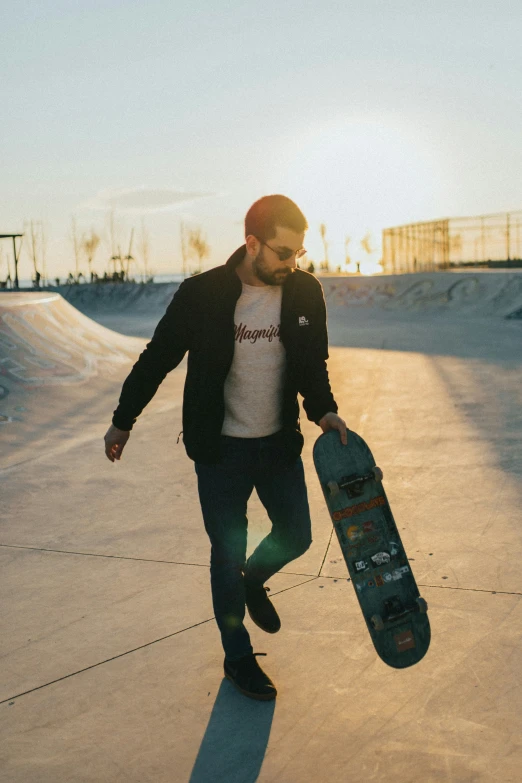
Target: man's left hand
[(331, 421)]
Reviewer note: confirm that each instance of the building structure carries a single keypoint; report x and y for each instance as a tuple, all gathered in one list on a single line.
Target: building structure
[(487, 240)]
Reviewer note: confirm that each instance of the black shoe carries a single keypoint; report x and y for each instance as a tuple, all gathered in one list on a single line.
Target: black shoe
[(249, 678), (261, 609)]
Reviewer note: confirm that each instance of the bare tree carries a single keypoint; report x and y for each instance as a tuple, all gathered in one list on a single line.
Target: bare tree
[(89, 246), (322, 231), (77, 246), (366, 244), (43, 250), (144, 248), (129, 257), (347, 259), (33, 229), (114, 244), (198, 247)]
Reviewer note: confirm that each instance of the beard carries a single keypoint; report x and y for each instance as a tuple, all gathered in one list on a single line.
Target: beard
[(267, 275)]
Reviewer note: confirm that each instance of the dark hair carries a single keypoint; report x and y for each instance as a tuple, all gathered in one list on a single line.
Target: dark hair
[(268, 212)]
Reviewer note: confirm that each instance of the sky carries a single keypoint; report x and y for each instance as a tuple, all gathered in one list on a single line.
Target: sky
[(366, 114)]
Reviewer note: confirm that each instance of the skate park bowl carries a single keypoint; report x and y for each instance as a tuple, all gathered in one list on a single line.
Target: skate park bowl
[(480, 294), (112, 661), (463, 294)]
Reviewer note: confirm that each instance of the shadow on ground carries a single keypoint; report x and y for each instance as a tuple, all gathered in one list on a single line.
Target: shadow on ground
[(236, 738), (430, 334)]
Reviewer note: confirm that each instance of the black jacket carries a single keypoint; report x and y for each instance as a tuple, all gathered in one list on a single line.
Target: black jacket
[(200, 320)]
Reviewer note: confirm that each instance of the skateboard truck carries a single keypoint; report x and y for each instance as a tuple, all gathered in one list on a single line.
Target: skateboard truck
[(354, 485), (395, 610)]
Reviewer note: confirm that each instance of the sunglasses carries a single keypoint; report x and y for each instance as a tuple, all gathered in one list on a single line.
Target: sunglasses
[(286, 253)]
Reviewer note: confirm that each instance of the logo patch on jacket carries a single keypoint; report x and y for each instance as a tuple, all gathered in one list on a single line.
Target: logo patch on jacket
[(303, 321)]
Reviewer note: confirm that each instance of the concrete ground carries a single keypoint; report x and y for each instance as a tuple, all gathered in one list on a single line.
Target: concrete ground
[(111, 659)]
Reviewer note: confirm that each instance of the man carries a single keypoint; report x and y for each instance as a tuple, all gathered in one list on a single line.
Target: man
[(256, 335)]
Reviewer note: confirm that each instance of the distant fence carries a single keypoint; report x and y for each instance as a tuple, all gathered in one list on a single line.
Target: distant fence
[(486, 240)]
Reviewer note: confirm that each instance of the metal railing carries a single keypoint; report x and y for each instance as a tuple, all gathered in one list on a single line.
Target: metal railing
[(487, 240)]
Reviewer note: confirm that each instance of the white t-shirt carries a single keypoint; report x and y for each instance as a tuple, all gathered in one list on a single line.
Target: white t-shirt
[(255, 382)]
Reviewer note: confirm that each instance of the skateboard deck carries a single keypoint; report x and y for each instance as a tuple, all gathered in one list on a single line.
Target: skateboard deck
[(395, 613)]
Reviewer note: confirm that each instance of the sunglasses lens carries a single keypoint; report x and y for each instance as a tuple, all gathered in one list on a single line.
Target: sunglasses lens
[(285, 254)]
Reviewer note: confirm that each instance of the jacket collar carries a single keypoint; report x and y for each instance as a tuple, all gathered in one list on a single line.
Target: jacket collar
[(235, 259), (230, 268)]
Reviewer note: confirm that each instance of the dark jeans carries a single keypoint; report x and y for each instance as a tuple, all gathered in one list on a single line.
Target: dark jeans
[(224, 490)]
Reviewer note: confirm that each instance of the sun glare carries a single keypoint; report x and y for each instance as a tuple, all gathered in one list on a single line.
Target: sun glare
[(356, 177)]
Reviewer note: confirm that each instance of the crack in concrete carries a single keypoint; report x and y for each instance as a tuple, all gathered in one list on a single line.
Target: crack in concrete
[(134, 649), (107, 660), (286, 573), (97, 554), (203, 622)]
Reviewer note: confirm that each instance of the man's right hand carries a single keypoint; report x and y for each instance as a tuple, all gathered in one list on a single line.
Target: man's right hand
[(115, 441)]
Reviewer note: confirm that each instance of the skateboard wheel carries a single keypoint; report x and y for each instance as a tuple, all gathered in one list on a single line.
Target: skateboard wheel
[(333, 486), (422, 605), (377, 472), (377, 622)]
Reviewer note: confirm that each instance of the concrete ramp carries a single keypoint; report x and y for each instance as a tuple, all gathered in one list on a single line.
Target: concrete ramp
[(60, 374), (120, 298), (482, 294), (46, 341), (129, 308)]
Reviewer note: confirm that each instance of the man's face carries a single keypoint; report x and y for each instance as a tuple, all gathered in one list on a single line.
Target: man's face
[(267, 265)]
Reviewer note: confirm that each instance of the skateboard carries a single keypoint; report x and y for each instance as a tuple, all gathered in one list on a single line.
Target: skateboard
[(395, 613)]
